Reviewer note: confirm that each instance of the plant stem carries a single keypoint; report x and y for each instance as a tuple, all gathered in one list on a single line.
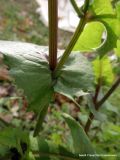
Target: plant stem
[(53, 32), (101, 102), (77, 9), (99, 84), (91, 116), (86, 5), (71, 44), (98, 87), (110, 91), (89, 122), (40, 120), (75, 37)]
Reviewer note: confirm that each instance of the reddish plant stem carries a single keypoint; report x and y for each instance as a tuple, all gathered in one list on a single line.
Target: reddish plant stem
[(110, 91), (98, 87), (91, 116), (53, 33), (101, 102)]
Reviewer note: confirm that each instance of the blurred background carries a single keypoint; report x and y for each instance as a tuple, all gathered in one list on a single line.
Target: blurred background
[(26, 20)]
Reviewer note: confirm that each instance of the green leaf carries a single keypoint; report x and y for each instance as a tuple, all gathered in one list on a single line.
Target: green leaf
[(112, 27), (44, 149), (3, 151), (31, 156), (107, 22), (118, 10), (101, 8), (14, 138), (110, 107), (104, 13), (82, 144), (117, 50), (76, 76), (91, 37), (103, 70), (116, 63), (29, 67)]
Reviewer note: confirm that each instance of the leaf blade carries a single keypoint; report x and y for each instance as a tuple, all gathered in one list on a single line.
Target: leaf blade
[(91, 38), (76, 77), (49, 150), (29, 67), (82, 144)]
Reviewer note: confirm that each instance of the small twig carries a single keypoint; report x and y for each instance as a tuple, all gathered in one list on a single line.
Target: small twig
[(101, 102), (97, 91), (95, 98), (110, 91), (77, 9)]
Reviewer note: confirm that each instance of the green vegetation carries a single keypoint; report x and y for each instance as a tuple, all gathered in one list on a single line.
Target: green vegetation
[(20, 22)]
